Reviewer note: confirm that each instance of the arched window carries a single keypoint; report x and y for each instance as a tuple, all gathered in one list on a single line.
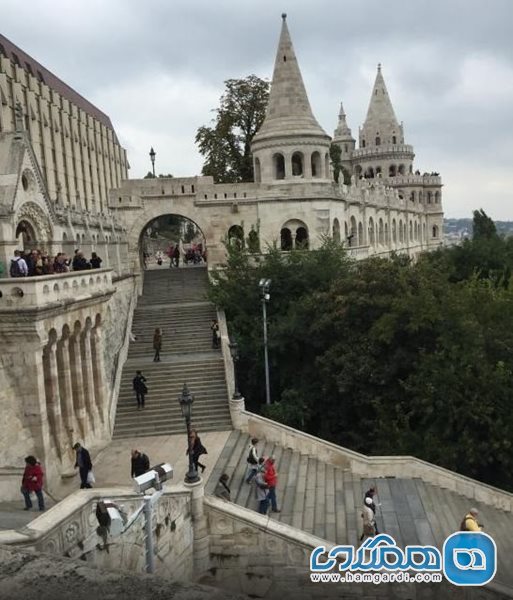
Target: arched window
[(401, 169), (400, 231), (411, 231), (378, 171), (336, 230), (316, 164), (279, 166), (302, 238), (394, 231), (380, 233), (258, 176), (345, 230), (420, 198), (412, 196), (429, 197), (297, 164), (394, 140), (372, 240), (236, 236), (286, 239), (378, 141), (327, 167), (358, 171), (363, 143), (369, 173), (387, 237), (361, 240), (435, 231), (392, 171), (437, 197)]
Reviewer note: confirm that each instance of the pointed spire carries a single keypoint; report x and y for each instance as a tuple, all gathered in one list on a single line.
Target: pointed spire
[(288, 110), (380, 106), (343, 131)]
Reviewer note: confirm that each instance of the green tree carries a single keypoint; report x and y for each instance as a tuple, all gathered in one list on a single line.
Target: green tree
[(336, 161), (226, 145), (483, 226)]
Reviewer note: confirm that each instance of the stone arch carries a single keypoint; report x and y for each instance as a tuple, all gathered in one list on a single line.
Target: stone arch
[(299, 237), (336, 230), (316, 164), (302, 241), (381, 240), (236, 236), (435, 231), (394, 231), (401, 239), (285, 239), (437, 197), (279, 166), (411, 231), (392, 171), (429, 197), (298, 164), (401, 169), (387, 237), (353, 233), (32, 222), (327, 166), (369, 173), (361, 240)]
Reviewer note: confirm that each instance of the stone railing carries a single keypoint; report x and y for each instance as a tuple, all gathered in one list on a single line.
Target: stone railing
[(70, 529), (358, 252), (372, 466), (414, 180), (63, 288), (382, 149)]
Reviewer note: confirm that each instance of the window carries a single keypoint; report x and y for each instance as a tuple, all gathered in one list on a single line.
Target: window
[(279, 166), (435, 231), (297, 164), (378, 141), (363, 143), (316, 164), (15, 59), (394, 140)]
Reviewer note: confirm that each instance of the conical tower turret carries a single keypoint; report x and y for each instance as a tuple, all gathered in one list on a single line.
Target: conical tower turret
[(290, 144), (343, 137)]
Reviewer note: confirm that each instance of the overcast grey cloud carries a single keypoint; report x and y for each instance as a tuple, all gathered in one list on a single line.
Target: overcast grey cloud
[(157, 69)]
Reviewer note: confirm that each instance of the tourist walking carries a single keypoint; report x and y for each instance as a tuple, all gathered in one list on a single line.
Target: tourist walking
[(271, 479), (261, 488), (252, 460), (32, 481), (84, 465), (371, 493), (140, 463), (222, 490), (157, 344), (96, 261), (175, 259), (470, 522), (369, 520), (216, 335), (197, 449), (140, 388)]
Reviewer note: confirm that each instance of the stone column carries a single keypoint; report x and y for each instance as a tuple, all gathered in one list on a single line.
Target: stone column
[(88, 379), (53, 398), (98, 367), (239, 421), (66, 388), (201, 555), (77, 383)]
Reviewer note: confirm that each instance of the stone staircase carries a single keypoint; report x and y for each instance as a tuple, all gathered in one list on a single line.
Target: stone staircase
[(326, 501), (175, 301)]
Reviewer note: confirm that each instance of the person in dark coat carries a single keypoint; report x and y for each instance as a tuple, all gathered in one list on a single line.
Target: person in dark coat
[(157, 344), (139, 385), (197, 449), (80, 263), (32, 482), (176, 256), (140, 463), (84, 465), (96, 261)]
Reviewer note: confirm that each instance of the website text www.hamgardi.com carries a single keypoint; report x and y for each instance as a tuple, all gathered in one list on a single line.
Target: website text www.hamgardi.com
[(377, 578)]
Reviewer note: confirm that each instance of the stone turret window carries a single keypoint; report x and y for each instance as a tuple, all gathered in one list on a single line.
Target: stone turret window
[(363, 143), (286, 239), (302, 238), (435, 231), (401, 169), (392, 171), (378, 141), (336, 230), (316, 164), (236, 236), (297, 164), (258, 176), (394, 140), (279, 166)]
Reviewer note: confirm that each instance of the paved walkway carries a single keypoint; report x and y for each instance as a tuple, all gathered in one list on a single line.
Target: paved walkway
[(112, 468)]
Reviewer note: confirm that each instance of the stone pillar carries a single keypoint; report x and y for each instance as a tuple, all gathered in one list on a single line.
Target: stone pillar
[(66, 389), (100, 391), (237, 405), (201, 555), (88, 379), (78, 383), (53, 398)]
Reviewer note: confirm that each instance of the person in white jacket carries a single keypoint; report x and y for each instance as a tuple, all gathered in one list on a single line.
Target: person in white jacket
[(369, 521)]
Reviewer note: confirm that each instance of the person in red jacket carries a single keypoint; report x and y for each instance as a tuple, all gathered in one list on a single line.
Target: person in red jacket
[(32, 482), (271, 479)]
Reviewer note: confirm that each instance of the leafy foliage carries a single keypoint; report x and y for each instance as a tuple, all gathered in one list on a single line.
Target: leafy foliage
[(382, 356), (226, 145)]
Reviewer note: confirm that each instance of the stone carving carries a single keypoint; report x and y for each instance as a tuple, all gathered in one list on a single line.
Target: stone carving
[(35, 215), (71, 532)]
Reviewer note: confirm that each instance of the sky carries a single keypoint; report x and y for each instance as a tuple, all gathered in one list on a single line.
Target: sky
[(158, 70)]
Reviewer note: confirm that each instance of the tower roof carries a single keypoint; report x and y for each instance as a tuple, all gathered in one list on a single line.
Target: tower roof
[(381, 113), (343, 131), (288, 111)]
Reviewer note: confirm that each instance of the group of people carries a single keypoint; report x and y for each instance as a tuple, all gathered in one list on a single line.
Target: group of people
[(262, 473), (36, 262)]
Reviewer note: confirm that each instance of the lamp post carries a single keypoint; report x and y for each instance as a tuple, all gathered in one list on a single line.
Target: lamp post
[(234, 351), (186, 399), (264, 285), (152, 158)]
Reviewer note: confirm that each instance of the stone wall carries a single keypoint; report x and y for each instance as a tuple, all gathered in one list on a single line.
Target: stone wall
[(69, 529), (254, 555)]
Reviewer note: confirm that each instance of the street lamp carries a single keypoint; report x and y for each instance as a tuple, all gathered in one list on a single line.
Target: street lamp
[(152, 158), (264, 285), (234, 351), (186, 399)]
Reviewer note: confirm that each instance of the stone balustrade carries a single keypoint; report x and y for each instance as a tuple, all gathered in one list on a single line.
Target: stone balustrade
[(383, 149), (29, 292), (415, 179)]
